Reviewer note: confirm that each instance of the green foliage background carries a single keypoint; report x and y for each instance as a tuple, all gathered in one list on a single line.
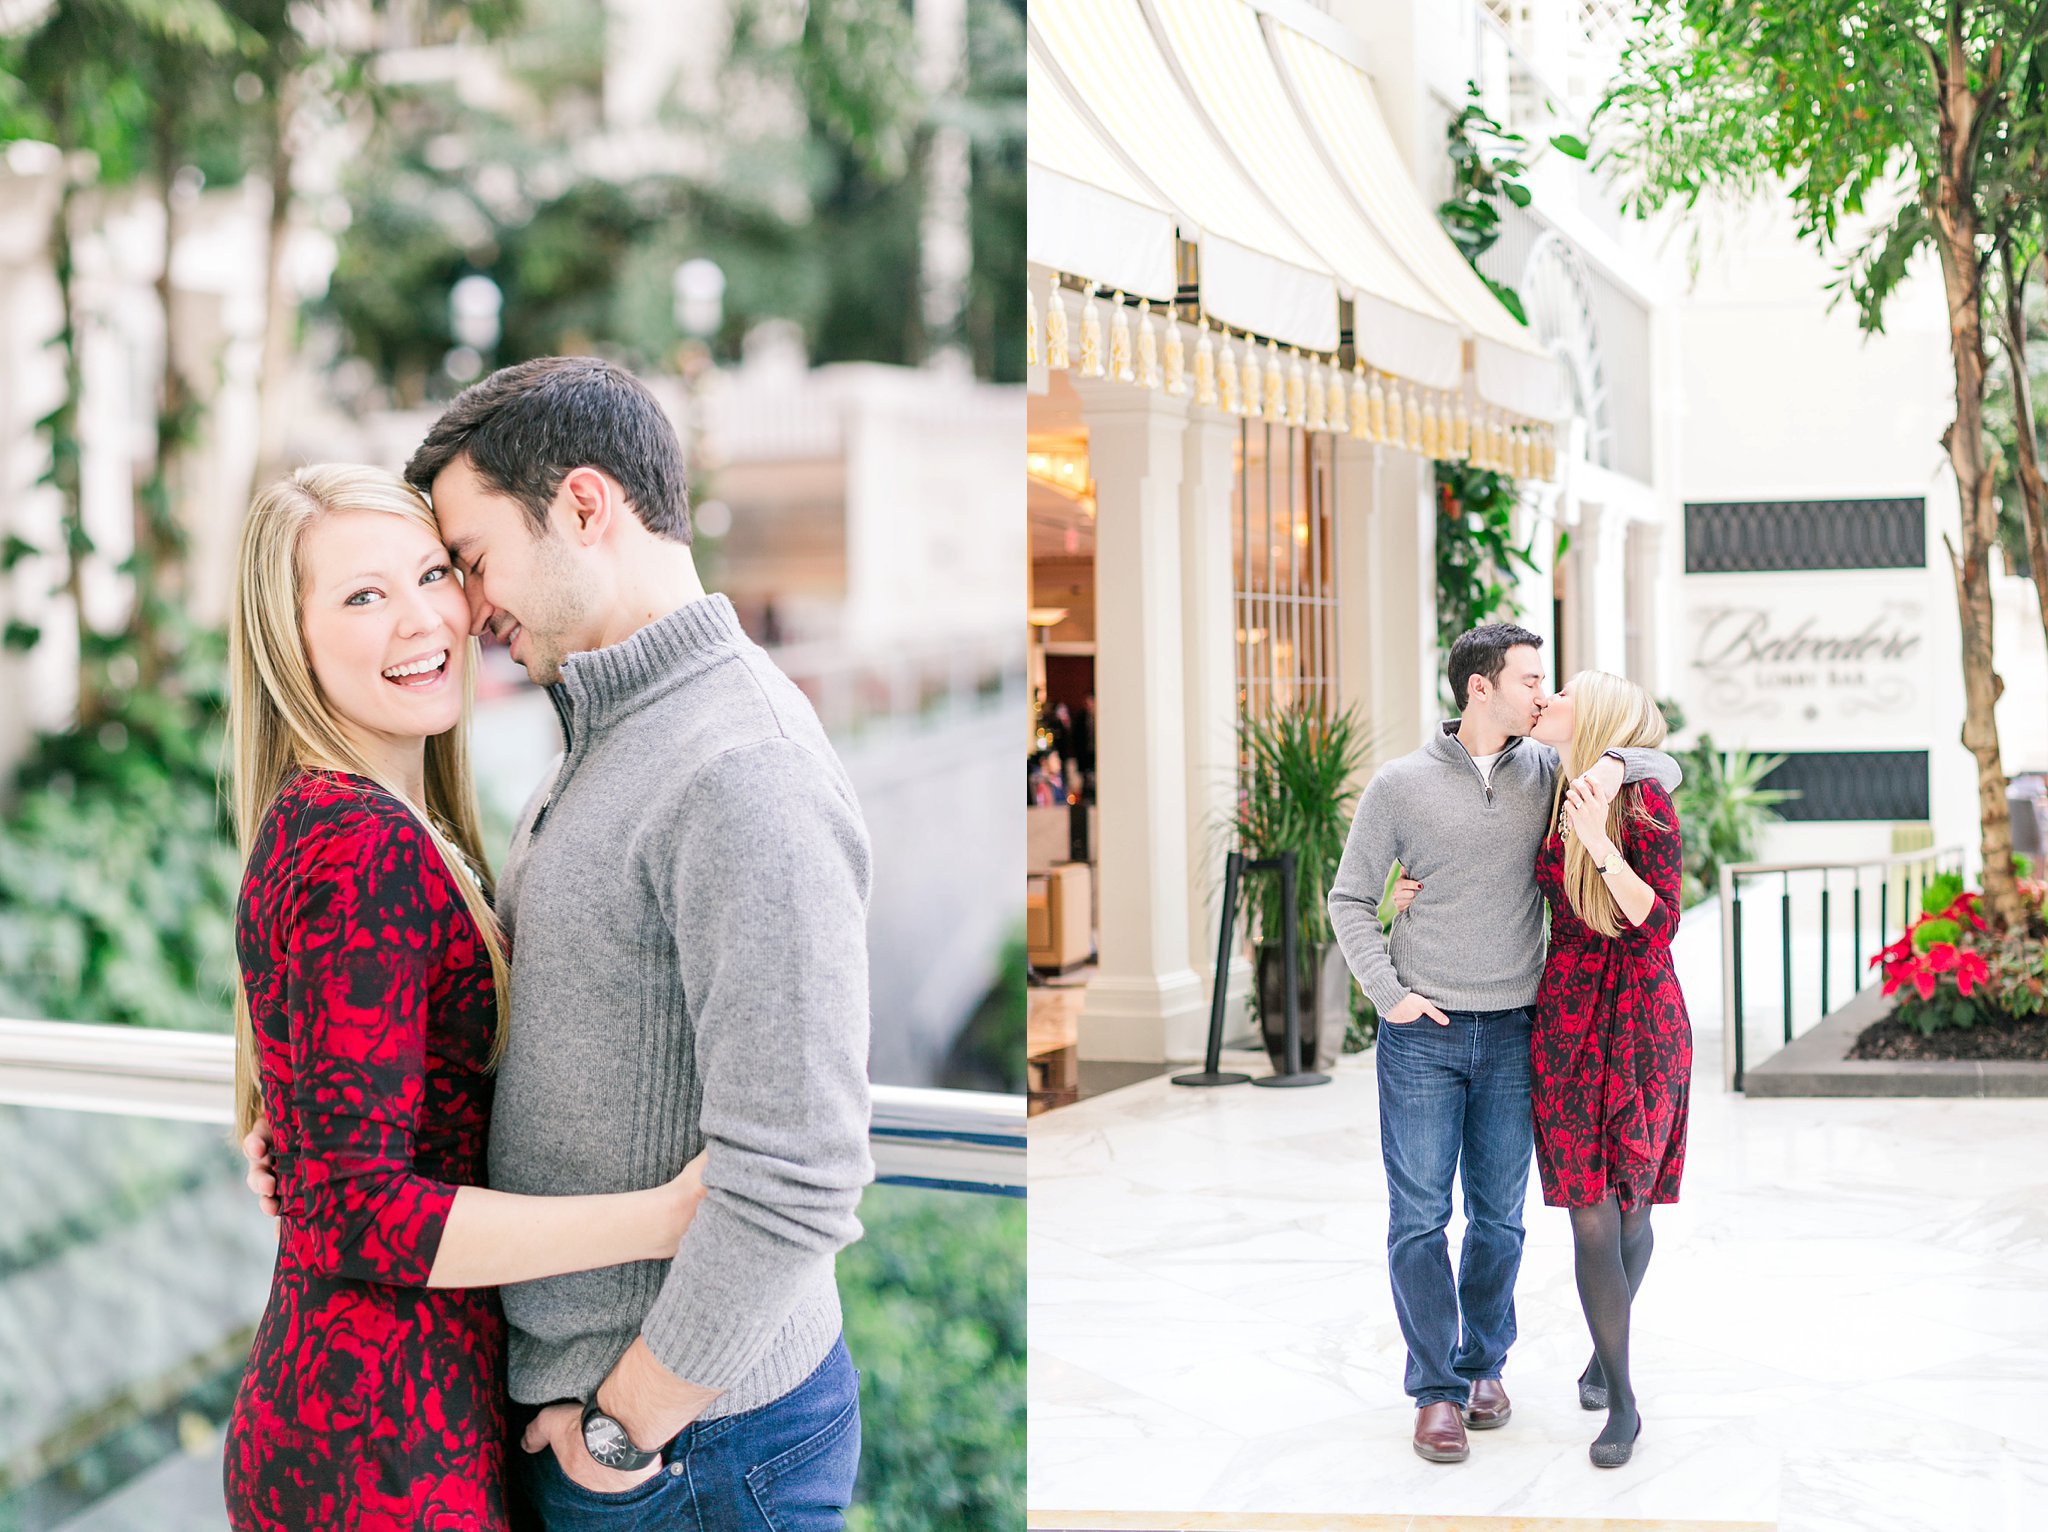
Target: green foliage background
[(934, 1299), (118, 870)]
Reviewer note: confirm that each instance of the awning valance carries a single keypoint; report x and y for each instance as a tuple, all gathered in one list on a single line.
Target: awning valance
[(1399, 325), (1257, 273), (1086, 210), (1338, 107)]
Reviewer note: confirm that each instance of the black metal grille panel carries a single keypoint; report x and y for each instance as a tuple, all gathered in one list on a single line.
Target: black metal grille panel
[(1756, 536), (1852, 784)]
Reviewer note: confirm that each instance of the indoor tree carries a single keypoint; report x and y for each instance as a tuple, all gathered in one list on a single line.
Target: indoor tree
[(1912, 113)]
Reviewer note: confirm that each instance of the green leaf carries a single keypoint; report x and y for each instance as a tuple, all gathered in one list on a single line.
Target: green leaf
[(20, 637), (14, 550), (1569, 144), (1930, 933), (1941, 892), (1517, 193)]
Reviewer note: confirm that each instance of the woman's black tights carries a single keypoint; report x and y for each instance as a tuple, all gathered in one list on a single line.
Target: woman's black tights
[(1610, 1253)]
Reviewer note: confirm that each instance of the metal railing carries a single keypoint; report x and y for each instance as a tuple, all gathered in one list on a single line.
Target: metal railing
[(949, 1140), (1899, 882)]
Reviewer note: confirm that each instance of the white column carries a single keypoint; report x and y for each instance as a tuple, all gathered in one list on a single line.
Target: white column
[(1353, 569), (1386, 594), (1644, 598), (1146, 1002), (1209, 639), (1594, 635)]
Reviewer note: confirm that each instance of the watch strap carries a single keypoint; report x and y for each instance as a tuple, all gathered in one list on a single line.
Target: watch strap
[(616, 1449)]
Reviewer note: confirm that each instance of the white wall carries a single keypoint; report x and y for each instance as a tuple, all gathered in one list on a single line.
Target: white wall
[(935, 524)]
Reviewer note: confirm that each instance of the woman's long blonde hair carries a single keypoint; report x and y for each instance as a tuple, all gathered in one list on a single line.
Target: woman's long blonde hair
[(279, 724), (1609, 712)]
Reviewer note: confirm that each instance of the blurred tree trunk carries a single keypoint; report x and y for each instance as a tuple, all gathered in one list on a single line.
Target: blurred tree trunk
[(279, 316), (61, 427), (1953, 212), (159, 557), (2033, 491)]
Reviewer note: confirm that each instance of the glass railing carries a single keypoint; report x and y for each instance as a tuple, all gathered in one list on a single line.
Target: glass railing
[(134, 1265)]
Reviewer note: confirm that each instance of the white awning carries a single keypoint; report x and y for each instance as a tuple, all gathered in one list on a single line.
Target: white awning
[(1257, 273), (1399, 324), (1335, 98), (1087, 212)]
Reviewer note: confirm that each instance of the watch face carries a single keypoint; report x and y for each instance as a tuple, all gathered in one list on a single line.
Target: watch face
[(607, 1441)]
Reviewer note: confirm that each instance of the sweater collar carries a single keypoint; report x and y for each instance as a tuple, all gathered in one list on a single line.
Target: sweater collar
[(601, 686), (1446, 745)]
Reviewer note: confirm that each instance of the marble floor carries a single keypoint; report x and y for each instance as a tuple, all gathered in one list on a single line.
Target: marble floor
[(1844, 1328)]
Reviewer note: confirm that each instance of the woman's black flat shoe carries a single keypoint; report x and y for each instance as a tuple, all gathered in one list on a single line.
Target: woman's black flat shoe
[(1592, 1396), (1614, 1454)]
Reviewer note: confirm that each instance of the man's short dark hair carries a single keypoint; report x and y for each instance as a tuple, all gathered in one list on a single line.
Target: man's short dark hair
[(525, 427), (1482, 651)]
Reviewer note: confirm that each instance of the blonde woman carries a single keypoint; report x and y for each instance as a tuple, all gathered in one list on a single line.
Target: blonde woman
[(370, 1016), (1611, 1050)]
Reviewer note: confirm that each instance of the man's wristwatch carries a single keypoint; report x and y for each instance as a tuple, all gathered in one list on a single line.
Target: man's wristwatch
[(607, 1442)]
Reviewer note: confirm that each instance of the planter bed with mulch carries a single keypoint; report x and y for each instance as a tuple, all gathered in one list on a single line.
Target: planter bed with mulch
[(2007, 1037), (1825, 1062)]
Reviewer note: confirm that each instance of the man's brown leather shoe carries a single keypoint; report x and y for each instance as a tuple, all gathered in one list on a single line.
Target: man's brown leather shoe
[(1440, 1434), (1489, 1406)]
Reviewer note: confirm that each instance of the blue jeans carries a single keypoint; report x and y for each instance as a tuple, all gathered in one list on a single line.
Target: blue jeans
[(786, 1467), (1455, 1099)]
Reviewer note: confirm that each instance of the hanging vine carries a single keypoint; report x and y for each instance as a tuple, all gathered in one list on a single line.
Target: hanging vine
[(1477, 553)]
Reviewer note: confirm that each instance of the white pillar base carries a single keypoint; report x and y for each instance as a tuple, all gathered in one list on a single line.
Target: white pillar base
[(1145, 1019)]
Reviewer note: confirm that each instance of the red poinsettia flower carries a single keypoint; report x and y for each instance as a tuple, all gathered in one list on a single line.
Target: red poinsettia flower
[(1924, 982), (1964, 911), (1971, 970), (1941, 957)]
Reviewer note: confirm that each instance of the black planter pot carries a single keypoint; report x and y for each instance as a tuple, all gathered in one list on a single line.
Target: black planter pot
[(1322, 995)]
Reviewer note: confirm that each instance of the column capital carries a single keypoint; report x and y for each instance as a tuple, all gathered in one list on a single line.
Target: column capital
[(1104, 399), (1357, 450)]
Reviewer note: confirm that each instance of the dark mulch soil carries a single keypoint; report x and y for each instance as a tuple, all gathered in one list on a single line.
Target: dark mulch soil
[(2025, 1039)]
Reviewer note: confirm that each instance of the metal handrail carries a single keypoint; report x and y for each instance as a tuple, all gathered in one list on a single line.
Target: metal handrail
[(1732, 1018), (1744, 869), (951, 1140)]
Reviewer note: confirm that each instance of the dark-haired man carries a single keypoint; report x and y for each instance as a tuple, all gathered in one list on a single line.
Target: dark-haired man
[(1454, 983), (686, 902)]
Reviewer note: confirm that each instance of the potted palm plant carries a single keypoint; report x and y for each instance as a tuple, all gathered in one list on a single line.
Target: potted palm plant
[(1298, 784)]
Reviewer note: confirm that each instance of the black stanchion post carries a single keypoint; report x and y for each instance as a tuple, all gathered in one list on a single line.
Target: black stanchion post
[(1291, 977), (1212, 1072)]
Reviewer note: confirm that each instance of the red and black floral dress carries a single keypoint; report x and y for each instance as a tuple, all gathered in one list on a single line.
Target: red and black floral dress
[(370, 1401), (1611, 1051)]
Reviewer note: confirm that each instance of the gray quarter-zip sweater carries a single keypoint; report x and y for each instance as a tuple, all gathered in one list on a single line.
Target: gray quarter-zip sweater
[(686, 902), (1473, 938)]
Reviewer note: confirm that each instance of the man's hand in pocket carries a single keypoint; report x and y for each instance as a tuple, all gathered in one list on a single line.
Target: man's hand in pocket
[(1413, 1008)]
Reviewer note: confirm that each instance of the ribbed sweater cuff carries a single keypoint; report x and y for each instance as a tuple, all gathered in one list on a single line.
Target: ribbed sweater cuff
[(754, 1370), (1385, 994), (545, 1371), (729, 1293)]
